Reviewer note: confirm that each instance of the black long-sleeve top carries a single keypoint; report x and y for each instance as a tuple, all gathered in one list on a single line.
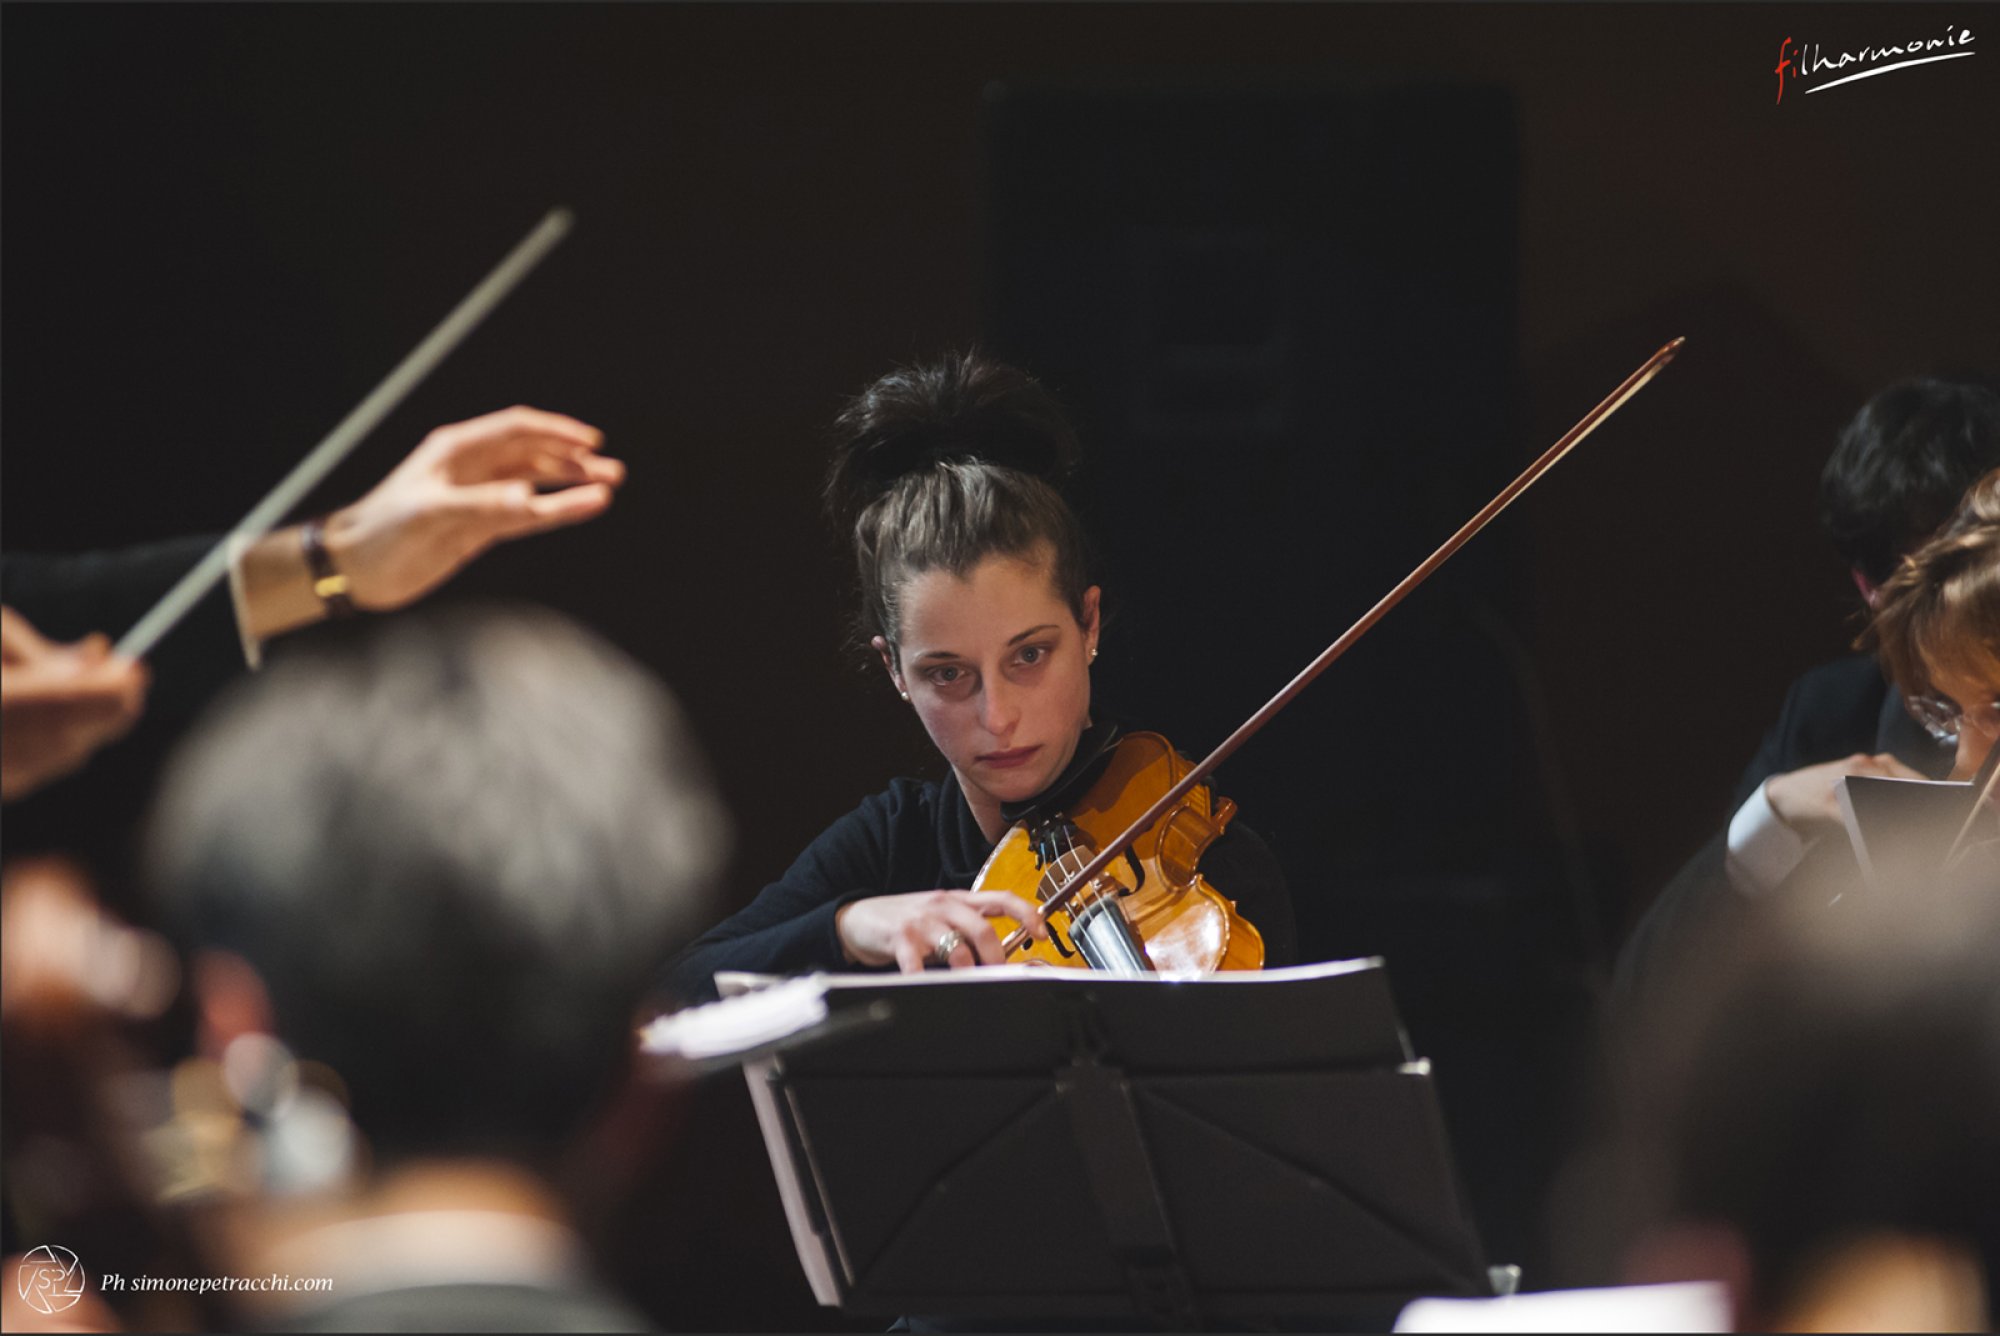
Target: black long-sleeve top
[(921, 836)]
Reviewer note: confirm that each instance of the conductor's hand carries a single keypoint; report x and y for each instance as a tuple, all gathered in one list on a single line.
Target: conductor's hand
[(909, 929), (1808, 800), (58, 703), (466, 487)]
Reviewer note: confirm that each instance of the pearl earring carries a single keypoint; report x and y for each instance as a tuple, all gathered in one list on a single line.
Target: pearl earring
[(904, 694), (1093, 654)]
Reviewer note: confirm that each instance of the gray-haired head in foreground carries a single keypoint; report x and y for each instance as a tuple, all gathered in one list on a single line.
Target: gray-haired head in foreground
[(453, 849)]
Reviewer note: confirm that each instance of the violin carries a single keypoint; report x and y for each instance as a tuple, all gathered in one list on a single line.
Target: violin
[(1155, 913), (1149, 912)]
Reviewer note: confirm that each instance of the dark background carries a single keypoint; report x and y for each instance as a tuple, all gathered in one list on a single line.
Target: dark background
[(1316, 278)]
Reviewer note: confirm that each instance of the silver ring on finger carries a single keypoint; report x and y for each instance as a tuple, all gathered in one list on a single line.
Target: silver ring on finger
[(948, 942)]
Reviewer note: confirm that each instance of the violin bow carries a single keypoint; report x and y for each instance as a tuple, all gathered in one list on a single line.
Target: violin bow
[(1611, 403), (340, 442), (1985, 784)]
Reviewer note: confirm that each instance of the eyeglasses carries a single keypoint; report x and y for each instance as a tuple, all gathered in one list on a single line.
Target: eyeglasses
[(1942, 716)]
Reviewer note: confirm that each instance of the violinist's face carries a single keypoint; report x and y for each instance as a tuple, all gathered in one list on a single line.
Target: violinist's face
[(1978, 698), (998, 668)]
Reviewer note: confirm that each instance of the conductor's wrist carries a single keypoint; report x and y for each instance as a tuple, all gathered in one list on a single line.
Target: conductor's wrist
[(331, 584), (272, 587)]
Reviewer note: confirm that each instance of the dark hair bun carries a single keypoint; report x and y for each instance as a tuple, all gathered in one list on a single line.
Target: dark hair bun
[(959, 408)]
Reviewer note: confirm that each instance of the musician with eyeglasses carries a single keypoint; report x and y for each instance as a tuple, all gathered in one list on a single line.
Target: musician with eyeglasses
[(1937, 630), (1898, 472)]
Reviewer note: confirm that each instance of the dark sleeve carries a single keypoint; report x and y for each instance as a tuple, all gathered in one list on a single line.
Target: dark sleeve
[(1828, 712), (1243, 868), (1831, 711), (95, 814), (788, 928), (1699, 901), (69, 596), (1696, 909), (1773, 753)]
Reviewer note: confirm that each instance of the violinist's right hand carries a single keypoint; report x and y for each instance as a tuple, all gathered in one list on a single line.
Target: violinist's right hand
[(908, 929)]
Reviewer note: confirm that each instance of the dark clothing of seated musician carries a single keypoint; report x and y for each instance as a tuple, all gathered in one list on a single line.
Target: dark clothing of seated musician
[(976, 597), (1839, 709)]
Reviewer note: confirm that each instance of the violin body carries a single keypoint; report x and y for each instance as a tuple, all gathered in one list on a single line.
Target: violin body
[(1184, 926)]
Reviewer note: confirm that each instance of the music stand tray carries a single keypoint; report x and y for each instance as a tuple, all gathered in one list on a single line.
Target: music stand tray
[(1022, 1141)]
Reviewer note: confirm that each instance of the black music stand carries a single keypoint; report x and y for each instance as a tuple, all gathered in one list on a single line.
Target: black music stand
[(1241, 1146)]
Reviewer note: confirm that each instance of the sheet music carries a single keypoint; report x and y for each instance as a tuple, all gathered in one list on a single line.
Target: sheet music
[(1899, 827), (746, 1019), (731, 983), (1698, 1305)]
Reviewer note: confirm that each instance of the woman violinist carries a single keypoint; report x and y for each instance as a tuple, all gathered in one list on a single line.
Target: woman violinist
[(976, 596)]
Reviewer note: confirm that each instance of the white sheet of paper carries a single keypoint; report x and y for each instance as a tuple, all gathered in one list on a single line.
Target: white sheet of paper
[(1697, 1305), (740, 1023)]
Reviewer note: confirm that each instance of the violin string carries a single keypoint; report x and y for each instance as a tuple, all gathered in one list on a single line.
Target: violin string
[(1099, 900), (1072, 859)]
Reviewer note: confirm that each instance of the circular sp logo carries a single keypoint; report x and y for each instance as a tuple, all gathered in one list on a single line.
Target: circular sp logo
[(50, 1279)]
